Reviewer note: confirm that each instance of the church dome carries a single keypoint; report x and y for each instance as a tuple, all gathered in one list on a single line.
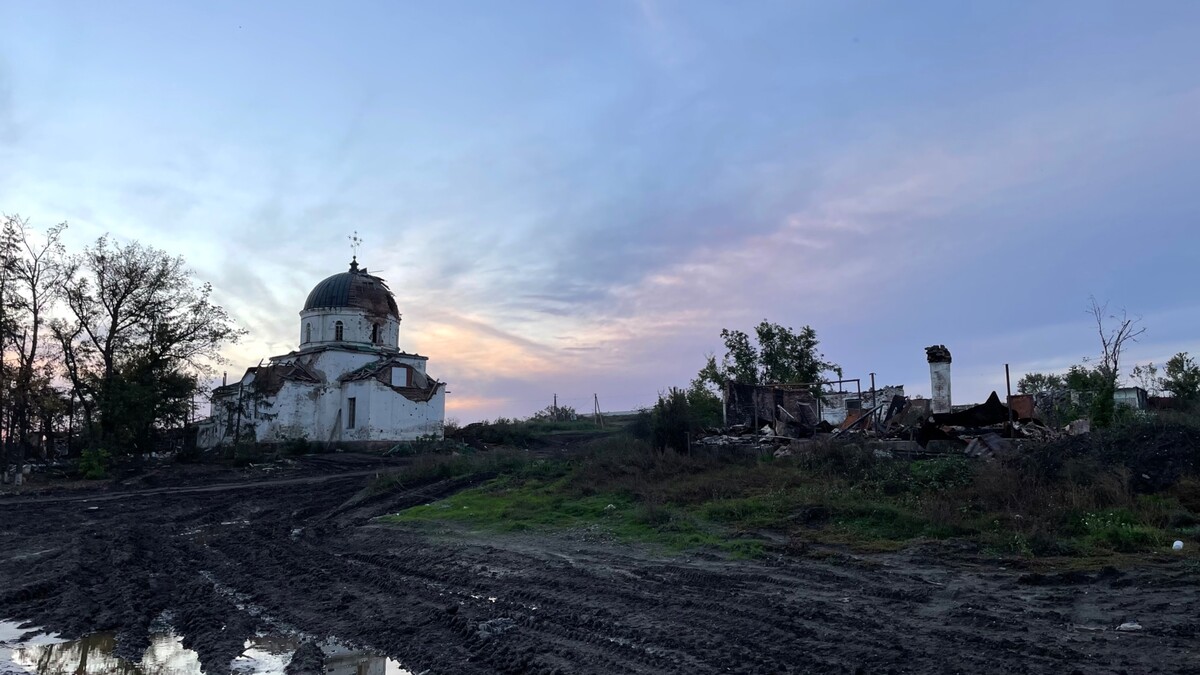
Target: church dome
[(355, 289)]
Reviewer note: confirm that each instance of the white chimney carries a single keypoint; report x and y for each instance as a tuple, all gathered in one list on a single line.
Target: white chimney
[(939, 377)]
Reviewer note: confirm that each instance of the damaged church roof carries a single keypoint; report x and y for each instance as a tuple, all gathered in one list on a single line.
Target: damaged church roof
[(354, 288)]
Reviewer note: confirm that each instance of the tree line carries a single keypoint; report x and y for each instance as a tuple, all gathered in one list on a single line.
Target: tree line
[(102, 348), (775, 353), (1087, 389)]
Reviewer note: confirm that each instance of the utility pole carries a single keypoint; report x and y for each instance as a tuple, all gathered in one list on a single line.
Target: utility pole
[(599, 417)]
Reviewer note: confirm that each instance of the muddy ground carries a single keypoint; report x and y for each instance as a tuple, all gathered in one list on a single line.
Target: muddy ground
[(300, 553)]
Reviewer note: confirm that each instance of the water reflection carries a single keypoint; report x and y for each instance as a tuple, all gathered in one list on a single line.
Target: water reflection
[(166, 655)]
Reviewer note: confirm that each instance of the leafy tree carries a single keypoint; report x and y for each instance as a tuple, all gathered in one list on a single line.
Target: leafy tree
[(1036, 383), (555, 413), (1085, 380), (1146, 377), (1182, 378), (672, 422), (136, 332), (1066, 396), (777, 355), (707, 409)]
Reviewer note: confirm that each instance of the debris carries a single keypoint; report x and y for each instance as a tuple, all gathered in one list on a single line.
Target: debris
[(790, 409), (1178, 545), (988, 445), (611, 507), (850, 424), (1129, 626), (990, 412), (1079, 427), (1022, 406)]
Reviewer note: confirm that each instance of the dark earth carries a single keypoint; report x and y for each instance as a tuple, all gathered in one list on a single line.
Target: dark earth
[(299, 552)]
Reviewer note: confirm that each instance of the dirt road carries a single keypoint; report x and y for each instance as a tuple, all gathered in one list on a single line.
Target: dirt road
[(221, 564)]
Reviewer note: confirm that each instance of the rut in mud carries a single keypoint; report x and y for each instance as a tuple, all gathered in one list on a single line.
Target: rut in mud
[(226, 564)]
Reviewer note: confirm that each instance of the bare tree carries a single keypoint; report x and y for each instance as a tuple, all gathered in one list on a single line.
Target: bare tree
[(1120, 330), (9, 250), (38, 273)]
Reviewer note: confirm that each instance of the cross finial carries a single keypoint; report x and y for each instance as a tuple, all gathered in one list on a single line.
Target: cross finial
[(355, 242)]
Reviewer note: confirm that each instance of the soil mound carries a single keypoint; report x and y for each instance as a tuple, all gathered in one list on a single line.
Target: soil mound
[(1157, 454)]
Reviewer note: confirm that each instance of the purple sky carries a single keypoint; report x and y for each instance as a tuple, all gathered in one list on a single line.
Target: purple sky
[(574, 198)]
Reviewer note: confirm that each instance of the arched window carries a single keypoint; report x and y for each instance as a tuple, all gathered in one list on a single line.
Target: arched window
[(375, 333), (308, 332), (337, 331)]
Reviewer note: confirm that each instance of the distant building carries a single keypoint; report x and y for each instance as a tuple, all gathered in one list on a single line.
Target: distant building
[(1132, 397), (347, 383)]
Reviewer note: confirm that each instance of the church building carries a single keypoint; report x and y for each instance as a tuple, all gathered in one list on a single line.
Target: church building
[(347, 385)]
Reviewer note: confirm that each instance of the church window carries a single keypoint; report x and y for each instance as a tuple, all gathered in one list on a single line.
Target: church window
[(308, 332), (337, 330), (351, 405), (375, 333)]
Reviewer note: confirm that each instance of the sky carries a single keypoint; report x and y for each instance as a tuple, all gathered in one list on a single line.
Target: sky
[(574, 198)]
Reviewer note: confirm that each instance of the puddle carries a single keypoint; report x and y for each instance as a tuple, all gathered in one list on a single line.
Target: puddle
[(166, 655)]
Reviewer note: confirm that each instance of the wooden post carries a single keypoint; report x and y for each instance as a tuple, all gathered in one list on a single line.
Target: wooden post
[(1008, 400)]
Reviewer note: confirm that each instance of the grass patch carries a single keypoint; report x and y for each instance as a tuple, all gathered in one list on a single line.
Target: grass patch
[(1034, 506), (512, 503)]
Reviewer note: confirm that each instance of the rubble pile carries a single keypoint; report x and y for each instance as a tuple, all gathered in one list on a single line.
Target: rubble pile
[(773, 416)]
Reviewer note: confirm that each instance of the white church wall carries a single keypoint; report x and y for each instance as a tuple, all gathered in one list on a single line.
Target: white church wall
[(321, 412), (333, 364), (319, 326), (299, 411), (383, 414)]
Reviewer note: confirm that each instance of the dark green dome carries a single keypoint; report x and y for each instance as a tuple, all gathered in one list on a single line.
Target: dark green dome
[(355, 289)]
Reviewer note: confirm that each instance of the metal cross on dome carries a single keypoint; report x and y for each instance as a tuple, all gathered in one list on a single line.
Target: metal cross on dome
[(355, 242)]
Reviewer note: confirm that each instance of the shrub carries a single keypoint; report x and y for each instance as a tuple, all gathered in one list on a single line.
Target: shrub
[(502, 431), (297, 446), (850, 462), (671, 422), (642, 426), (245, 454), (94, 463)]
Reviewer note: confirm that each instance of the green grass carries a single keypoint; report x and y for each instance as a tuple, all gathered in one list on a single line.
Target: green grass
[(831, 494), (512, 503)]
